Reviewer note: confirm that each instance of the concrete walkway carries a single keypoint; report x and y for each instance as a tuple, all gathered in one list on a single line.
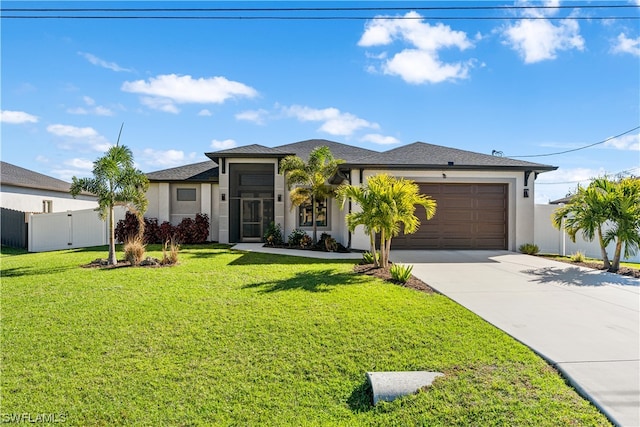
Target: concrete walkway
[(584, 322)]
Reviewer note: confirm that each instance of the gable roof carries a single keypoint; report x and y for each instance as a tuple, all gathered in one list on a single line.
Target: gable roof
[(199, 172), (418, 155), (21, 177), (348, 153), (253, 150), (426, 156)]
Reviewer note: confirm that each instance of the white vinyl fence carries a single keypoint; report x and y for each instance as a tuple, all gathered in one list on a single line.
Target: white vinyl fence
[(67, 230), (551, 240)]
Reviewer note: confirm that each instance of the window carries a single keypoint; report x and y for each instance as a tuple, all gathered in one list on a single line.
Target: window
[(305, 215), (186, 194), (47, 206)]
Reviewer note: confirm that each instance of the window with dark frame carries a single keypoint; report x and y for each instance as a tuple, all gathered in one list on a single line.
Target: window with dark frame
[(305, 214), (186, 194)]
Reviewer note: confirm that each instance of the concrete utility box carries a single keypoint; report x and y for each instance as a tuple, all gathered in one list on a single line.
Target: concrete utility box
[(388, 386)]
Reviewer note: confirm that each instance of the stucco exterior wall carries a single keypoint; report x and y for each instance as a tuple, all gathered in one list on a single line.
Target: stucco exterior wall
[(30, 200), (520, 209)]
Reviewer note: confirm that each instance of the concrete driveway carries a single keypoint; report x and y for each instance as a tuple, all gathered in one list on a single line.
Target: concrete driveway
[(584, 322)]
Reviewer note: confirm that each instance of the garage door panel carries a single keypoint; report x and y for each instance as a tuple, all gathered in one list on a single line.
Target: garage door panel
[(468, 216)]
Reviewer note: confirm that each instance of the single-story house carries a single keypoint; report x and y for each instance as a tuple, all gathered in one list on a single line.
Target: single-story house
[(27, 191), (484, 201)]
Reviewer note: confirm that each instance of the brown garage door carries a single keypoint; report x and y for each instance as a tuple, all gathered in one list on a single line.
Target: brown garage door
[(469, 216)]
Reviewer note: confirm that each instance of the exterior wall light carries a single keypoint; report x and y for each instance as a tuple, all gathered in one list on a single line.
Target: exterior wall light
[(223, 196), (526, 193)]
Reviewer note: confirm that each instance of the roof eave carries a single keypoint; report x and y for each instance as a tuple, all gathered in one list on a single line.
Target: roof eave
[(535, 168)]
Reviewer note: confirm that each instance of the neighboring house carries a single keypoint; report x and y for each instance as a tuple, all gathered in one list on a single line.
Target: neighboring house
[(484, 201), (28, 191)]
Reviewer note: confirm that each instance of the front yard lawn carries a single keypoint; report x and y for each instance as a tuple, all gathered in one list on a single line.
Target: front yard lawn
[(234, 338)]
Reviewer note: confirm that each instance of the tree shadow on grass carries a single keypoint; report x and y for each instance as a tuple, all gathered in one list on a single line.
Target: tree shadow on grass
[(260, 258), (574, 276), (312, 281), (31, 271), (361, 399)]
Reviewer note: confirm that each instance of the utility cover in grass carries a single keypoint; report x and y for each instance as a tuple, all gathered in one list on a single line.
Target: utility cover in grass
[(388, 386)]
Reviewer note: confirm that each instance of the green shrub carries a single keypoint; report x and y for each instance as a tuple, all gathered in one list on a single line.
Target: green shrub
[(578, 257), (296, 236), (369, 258), (529, 248), (273, 235), (401, 273)]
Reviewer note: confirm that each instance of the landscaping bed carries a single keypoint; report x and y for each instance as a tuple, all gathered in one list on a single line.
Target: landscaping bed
[(597, 265)]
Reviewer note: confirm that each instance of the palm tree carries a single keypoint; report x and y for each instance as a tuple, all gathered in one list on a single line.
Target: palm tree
[(588, 210), (625, 215), (116, 182), (310, 180), (387, 203), (365, 217), (617, 203)]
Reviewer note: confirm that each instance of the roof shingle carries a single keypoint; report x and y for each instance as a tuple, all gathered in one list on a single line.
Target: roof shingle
[(203, 171), (21, 177)]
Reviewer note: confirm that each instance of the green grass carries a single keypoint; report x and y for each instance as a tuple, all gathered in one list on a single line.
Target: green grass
[(233, 338)]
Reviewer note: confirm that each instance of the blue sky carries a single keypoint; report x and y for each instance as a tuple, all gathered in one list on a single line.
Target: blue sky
[(533, 81)]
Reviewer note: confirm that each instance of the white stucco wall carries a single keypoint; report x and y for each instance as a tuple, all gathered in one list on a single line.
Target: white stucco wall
[(30, 200)]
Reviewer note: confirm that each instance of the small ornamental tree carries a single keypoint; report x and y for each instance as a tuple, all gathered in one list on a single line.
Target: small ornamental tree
[(116, 182), (308, 181), (387, 203), (616, 203)]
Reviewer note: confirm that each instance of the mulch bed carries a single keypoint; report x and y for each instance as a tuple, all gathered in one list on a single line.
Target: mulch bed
[(623, 271), (384, 274), (104, 265)]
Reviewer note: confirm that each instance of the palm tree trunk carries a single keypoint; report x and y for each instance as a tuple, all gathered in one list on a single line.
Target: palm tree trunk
[(374, 252), (313, 218), (383, 249), (615, 265), (388, 250), (112, 237), (603, 250)]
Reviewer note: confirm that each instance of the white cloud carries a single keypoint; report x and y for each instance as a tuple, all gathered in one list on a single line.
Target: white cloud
[(160, 104), (258, 117), (102, 111), (17, 117), (627, 45), (420, 63), (334, 121), (204, 113), (102, 63), (540, 40), (98, 110), (557, 184), (82, 164), (164, 91), (166, 158), (77, 138), (376, 138), (223, 145), (625, 142), (68, 174)]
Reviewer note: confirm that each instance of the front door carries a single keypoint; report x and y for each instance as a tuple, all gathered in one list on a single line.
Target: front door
[(251, 220)]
